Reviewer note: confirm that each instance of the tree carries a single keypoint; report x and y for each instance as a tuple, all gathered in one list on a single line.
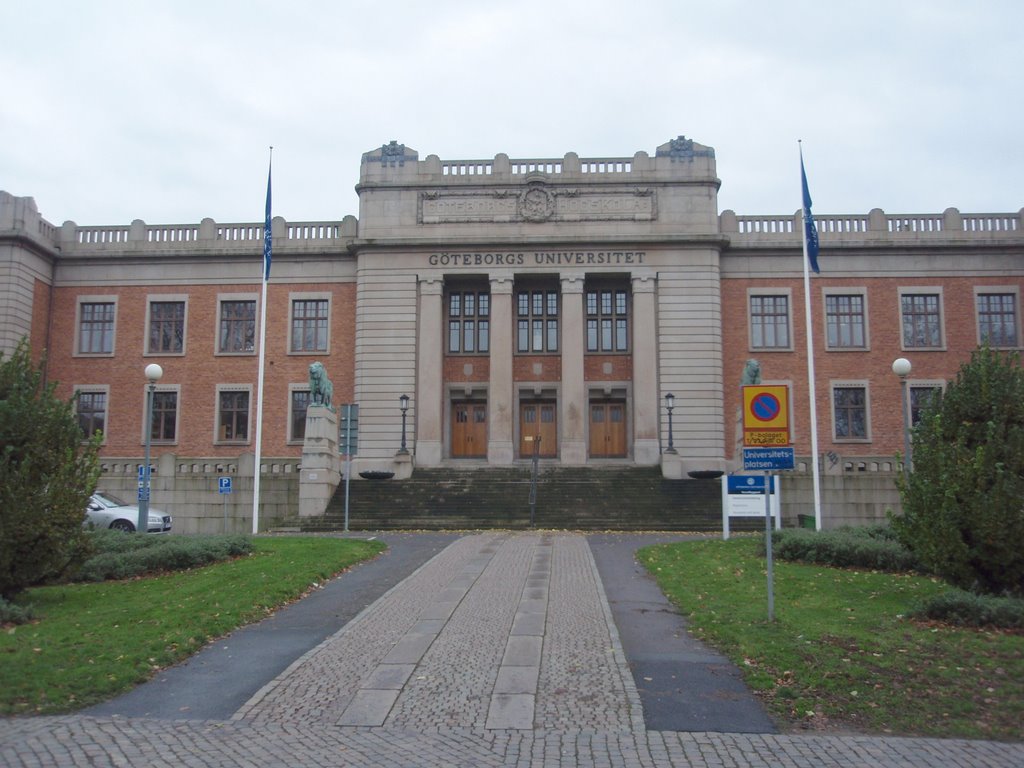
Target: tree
[(963, 504), (46, 476)]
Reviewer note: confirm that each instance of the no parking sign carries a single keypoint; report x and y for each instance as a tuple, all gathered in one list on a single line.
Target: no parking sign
[(765, 415)]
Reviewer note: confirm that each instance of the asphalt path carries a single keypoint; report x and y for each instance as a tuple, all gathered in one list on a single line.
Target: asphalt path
[(683, 685)]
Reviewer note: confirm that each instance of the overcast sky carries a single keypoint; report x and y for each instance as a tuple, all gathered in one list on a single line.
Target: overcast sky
[(163, 110)]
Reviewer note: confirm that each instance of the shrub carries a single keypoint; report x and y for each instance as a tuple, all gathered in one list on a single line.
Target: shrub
[(967, 609), (46, 476), (963, 504), (874, 548), (11, 613), (120, 556)]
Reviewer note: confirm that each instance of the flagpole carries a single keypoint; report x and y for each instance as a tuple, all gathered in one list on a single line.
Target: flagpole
[(267, 243), (806, 217)]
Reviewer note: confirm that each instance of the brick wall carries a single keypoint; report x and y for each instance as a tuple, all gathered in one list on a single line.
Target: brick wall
[(872, 365), (198, 373)]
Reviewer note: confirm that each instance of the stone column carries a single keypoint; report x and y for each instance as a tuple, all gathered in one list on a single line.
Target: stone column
[(573, 410), (646, 407), (429, 404), (321, 464), (500, 401)]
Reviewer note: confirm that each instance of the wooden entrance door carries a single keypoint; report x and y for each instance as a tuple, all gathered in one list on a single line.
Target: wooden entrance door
[(538, 420), (469, 430), (608, 429)]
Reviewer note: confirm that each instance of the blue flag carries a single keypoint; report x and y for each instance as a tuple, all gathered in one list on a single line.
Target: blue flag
[(267, 239), (810, 230)]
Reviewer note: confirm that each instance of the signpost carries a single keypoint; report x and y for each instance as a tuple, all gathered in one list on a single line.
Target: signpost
[(766, 442), (224, 489)]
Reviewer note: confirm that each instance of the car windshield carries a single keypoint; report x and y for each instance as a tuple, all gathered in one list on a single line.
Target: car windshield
[(109, 501)]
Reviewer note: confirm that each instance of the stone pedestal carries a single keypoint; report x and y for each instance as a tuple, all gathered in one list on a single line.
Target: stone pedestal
[(403, 466), (671, 466), (321, 464)]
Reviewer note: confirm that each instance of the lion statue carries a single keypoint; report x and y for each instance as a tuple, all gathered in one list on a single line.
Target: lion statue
[(321, 391), (751, 373)]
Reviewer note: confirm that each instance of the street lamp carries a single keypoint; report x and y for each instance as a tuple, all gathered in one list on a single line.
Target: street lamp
[(153, 374), (901, 367), (403, 403), (670, 401)]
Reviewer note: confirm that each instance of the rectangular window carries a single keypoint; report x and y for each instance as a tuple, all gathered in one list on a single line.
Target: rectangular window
[(164, 426), (309, 325), (92, 412), (850, 413), (96, 328), (237, 326), (769, 322), (844, 320), (997, 319), (922, 320), (537, 312), (233, 415), (468, 326), (299, 404), (607, 320), (920, 398), (166, 327)]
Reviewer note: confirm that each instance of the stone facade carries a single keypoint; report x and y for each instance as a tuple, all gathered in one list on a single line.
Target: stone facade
[(513, 299)]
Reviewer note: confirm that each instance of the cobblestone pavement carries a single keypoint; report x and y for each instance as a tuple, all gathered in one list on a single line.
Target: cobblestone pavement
[(500, 651)]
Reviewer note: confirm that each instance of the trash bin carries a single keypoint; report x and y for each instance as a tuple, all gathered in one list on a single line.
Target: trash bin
[(806, 521)]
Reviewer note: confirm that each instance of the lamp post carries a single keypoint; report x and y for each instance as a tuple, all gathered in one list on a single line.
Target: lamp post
[(403, 403), (670, 401), (901, 367), (153, 374)]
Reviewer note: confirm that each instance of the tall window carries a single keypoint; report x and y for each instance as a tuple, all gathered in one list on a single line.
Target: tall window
[(920, 398), (237, 326), (922, 320), (469, 325), (844, 320), (997, 319), (607, 320), (233, 415), (537, 321), (769, 322), (166, 327), (96, 328), (309, 325), (92, 412), (164, 426), (299, 404), (850, 412)]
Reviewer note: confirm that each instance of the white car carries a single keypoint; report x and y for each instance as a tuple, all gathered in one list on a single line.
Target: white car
[(107, 511)]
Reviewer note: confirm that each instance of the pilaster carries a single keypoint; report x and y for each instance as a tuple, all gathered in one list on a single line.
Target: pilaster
[(573, 411), (430, 355), (500, 446), (646, 446)]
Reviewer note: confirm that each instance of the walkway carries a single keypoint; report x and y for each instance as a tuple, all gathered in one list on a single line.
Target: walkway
[(499, 651)]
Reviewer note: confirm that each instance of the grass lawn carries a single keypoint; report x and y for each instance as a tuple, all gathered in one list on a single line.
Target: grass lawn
[(840, 655), (93, 641)]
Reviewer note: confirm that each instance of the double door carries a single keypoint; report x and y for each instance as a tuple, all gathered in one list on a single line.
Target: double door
[(538, 421), (469, 430), (607, 429)]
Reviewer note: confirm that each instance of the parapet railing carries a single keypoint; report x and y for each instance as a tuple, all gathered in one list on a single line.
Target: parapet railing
[(73, 238), (951, 223), (551, 166)]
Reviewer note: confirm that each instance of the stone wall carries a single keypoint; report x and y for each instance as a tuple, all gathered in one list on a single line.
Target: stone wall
[(187, 489)]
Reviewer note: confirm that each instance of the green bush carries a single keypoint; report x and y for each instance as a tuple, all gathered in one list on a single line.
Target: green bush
[(963, 504), (874, 548), (46, 476), (122, 556), (11, 613), (967, 609)]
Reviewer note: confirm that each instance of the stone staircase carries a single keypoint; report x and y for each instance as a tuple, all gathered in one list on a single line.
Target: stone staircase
[(592, 498)]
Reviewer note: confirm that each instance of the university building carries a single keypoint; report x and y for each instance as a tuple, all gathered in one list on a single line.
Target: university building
[(522, 306)]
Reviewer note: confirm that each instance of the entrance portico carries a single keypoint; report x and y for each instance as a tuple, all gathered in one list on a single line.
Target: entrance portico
[(515, 300)]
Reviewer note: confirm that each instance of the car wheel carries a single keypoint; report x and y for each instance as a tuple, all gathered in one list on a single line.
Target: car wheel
[(122, 525)]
